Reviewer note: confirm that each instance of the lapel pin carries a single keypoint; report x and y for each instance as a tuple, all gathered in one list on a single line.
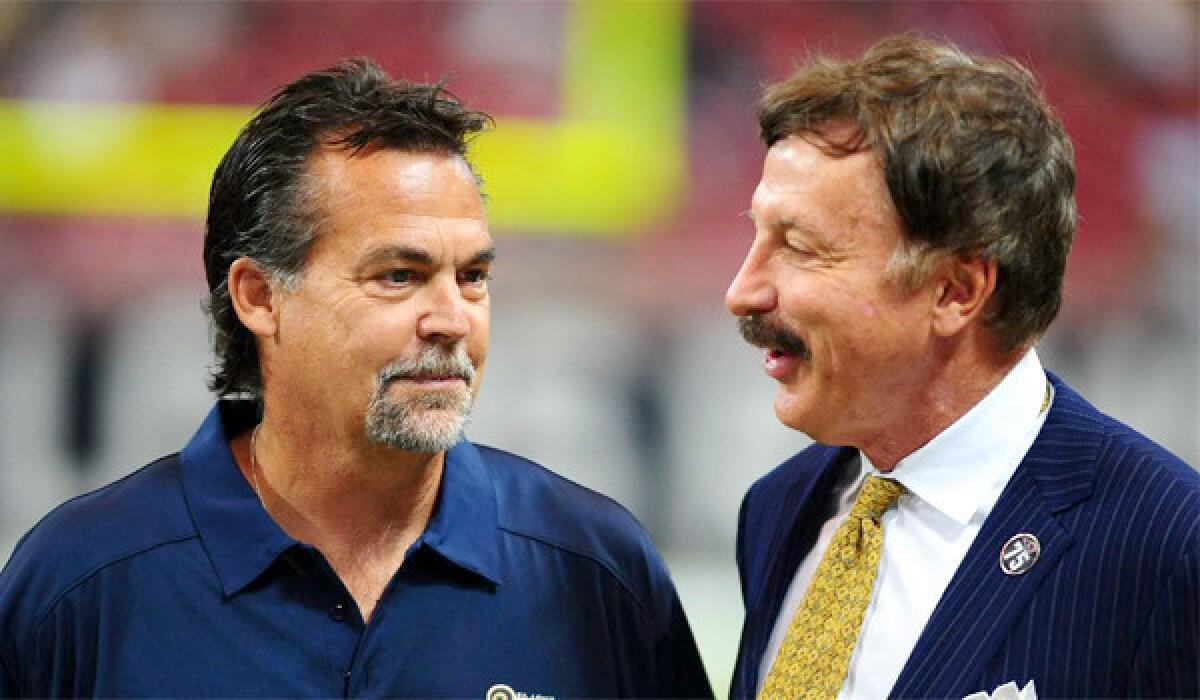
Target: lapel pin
[(1019, 554)]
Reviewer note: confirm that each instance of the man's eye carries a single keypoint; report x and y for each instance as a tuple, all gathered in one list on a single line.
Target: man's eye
[(398, 276), (474, 276), (799, 246)]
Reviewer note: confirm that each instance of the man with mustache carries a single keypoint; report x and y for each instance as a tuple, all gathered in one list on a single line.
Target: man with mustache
[(966, 521), (328, 531)]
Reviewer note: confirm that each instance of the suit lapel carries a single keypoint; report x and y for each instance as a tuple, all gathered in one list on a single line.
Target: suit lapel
[(787, 546), (981, 603), (796, 509)]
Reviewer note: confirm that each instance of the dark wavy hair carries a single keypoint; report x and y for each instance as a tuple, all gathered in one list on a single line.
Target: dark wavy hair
[(262, 206), (975, 160)]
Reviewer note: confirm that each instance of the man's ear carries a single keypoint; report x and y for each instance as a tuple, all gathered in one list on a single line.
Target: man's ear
[(965, 284), (254, 298)]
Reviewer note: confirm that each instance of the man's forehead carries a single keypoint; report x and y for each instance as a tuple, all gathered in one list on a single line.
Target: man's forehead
[(389, 182), (337, 164), (805, 186), (437, 234), (804, 154), (375, 198)]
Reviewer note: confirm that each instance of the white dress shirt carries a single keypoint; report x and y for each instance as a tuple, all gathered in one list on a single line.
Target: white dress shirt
[(953, 483)]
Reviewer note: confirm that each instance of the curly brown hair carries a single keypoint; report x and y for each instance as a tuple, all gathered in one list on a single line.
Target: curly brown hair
[(975, 160)]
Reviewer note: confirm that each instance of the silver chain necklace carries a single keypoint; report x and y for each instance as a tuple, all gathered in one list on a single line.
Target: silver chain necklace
[(254, 466)]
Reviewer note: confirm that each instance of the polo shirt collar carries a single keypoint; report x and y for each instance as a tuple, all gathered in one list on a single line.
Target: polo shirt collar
[(956, 470), (242, 541), (240, 538), (464, 528)]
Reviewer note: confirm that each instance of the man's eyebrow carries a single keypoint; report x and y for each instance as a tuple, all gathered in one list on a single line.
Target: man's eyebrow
[(789, 222), (485, 256), (786, 221), (419, 256), (390, 253)]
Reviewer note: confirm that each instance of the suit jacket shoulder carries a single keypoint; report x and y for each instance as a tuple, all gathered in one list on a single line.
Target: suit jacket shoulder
[(1112, 605)]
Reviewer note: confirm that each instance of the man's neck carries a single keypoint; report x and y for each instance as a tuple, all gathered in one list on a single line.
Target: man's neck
[(362, 506), (950, 391)]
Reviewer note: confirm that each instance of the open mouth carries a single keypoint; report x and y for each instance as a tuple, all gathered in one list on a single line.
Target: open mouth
[(780, 343), (779, 365)]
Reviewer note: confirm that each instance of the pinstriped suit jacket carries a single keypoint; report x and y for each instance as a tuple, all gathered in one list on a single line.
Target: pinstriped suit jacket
[(1111, 609)]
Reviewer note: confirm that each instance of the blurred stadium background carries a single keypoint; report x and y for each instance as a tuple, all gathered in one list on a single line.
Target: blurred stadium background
[(624, 152)]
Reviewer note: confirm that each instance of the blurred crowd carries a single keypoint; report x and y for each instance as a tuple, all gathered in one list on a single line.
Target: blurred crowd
[(613, 360)]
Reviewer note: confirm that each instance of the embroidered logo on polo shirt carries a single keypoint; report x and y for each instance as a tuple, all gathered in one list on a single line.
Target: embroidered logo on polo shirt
[(505, 692)]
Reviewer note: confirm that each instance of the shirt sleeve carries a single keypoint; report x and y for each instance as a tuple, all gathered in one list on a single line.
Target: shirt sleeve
[(11, 685), (9, 612), (8, 684), (681, 672), (677, 671)]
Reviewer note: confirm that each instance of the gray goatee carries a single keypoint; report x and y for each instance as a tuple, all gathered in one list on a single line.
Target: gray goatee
[(431, 421)]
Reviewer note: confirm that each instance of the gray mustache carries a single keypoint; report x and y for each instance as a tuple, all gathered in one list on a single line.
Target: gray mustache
[(432, 361), (757, 331)]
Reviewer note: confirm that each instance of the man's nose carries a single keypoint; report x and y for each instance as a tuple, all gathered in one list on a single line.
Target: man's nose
[(445, 318), (751, 290)]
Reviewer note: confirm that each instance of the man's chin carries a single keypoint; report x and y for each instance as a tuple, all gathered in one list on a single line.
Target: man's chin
[(428, 423), (794, 410), (425, 435)]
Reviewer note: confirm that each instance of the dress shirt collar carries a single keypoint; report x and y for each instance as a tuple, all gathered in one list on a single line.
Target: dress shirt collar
[(242, 541), (957, 470)]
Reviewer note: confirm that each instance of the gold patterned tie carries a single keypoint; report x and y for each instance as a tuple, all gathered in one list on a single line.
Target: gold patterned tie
[(816, 652)]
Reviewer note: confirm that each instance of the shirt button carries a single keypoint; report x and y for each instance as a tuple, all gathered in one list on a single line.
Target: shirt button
[(338, 612)]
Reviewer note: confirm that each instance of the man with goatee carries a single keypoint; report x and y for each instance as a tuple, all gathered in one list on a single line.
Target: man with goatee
[(328, 532)]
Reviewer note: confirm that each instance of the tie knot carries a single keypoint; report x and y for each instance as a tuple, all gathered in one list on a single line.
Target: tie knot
[(876, 496)]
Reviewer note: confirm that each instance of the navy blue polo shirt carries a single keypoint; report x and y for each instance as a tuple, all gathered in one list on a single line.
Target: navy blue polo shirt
[(175, 582)]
